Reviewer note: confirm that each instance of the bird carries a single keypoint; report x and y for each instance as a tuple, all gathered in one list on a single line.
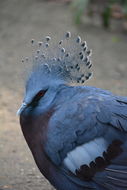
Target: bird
[(77, 134)]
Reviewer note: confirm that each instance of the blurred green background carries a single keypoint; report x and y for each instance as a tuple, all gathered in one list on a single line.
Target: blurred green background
[(103, 24), (107, 10)]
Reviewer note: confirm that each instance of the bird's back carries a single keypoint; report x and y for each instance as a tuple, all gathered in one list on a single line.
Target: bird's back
[(87, 135)]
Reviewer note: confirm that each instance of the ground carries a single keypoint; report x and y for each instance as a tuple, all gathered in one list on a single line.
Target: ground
[(20, 21)]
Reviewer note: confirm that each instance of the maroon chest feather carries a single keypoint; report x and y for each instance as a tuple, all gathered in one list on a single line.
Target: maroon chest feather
[(34, 130)]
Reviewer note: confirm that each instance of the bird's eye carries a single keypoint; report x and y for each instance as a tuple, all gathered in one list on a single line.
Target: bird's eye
[(40, 94)]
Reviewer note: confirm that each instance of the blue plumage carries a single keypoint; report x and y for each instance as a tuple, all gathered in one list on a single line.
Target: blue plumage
[(77, 134), (86, 113)]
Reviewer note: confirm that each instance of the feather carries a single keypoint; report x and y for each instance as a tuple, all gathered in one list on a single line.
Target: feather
[(85, 154), (65, 60)]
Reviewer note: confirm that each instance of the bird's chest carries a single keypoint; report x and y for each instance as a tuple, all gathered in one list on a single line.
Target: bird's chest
[(34, 129)]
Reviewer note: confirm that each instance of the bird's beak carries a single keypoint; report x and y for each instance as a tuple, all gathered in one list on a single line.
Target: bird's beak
[(23, 106)]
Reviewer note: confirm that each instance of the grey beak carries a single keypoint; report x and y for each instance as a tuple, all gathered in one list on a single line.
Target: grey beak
[(23, 106)]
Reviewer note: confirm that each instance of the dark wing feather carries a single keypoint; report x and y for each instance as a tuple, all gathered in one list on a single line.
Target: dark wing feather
[(114, 177)]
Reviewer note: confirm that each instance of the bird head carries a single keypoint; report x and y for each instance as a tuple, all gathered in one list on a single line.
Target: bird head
[(55, 64)]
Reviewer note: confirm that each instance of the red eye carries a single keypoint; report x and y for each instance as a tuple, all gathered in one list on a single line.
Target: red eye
[(38, 96), (41, 93)]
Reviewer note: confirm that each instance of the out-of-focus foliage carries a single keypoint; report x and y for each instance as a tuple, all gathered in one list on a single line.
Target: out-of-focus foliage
[(109, 8), (106, 14), (79, 7), (125, 9)]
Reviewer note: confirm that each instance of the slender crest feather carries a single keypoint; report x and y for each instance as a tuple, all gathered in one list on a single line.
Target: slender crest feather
[(67, 60)]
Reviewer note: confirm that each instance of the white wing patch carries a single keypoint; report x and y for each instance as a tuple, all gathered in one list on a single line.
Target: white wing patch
[(85, 154)]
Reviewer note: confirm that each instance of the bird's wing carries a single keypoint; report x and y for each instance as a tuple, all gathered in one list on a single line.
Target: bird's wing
[(87, 133)]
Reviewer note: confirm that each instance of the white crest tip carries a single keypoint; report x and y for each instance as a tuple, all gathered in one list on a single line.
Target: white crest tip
[(68, 34), (78, 40), (47, 45), (48, 38)]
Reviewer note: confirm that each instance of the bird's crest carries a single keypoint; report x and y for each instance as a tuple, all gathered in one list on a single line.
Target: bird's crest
[(67, 59)]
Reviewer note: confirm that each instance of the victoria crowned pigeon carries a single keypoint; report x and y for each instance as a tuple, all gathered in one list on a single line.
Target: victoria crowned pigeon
[(77, 134)]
